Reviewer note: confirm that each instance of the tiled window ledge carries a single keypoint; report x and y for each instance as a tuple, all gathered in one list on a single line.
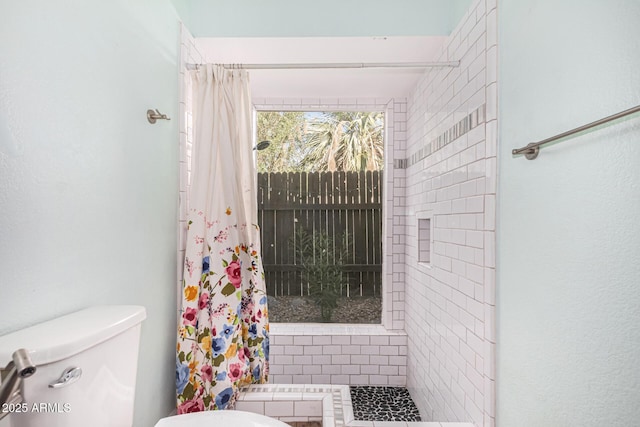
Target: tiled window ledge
[(329, 329), (311, 402)]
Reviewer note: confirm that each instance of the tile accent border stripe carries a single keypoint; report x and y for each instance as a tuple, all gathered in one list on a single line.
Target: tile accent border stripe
[(475, 118)]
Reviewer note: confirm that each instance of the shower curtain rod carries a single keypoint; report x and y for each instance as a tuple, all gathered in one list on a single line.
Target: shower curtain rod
[(311, 66)]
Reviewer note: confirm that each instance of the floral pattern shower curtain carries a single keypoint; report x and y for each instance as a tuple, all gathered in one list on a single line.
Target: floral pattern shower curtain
[(223, 339)]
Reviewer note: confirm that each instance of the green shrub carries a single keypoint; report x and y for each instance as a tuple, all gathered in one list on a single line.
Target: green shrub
[(320, 258)]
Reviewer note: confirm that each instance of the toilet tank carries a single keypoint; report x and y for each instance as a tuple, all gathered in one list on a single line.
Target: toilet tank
[(103, 343)]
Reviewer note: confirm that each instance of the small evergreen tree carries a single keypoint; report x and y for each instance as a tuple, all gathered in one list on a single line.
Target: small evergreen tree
[(320, 260)]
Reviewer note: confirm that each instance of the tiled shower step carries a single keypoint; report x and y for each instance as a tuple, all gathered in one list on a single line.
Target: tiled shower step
[(299, 403)]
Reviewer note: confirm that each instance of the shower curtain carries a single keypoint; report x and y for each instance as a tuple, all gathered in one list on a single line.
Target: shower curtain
[(223, 339)]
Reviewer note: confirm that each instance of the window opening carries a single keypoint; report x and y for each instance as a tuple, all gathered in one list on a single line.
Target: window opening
[(320, 214)]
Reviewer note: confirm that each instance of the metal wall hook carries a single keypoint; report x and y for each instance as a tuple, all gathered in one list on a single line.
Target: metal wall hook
[(153, 116)]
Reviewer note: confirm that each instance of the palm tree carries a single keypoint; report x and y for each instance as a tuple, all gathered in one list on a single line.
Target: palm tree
[(346, 141)]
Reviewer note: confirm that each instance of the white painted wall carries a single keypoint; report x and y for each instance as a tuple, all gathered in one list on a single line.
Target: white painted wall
[(309, 18), (451, 178), (88, 187), (568, 234)]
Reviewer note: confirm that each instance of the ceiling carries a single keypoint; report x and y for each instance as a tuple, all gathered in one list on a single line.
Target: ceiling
[(326, 83)]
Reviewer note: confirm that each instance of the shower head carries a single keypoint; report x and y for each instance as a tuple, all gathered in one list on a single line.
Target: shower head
[(262, 145)]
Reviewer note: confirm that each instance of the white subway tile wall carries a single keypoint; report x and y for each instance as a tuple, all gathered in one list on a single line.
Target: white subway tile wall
[(451, 172), (337, 354), (188, 55)]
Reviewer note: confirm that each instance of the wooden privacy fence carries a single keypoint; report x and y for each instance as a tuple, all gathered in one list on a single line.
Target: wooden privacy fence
[(332, 202)]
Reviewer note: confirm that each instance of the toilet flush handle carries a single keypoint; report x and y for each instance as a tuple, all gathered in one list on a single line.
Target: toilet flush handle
[(68, 377)]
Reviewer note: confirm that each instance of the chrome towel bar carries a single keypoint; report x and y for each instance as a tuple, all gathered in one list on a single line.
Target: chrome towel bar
[(531, 150)]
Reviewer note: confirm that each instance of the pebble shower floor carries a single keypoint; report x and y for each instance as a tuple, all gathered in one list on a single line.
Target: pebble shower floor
[(377, 404), (383, 404)]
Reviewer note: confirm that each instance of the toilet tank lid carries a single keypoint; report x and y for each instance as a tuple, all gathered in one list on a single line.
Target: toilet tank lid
[(66, 336)]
